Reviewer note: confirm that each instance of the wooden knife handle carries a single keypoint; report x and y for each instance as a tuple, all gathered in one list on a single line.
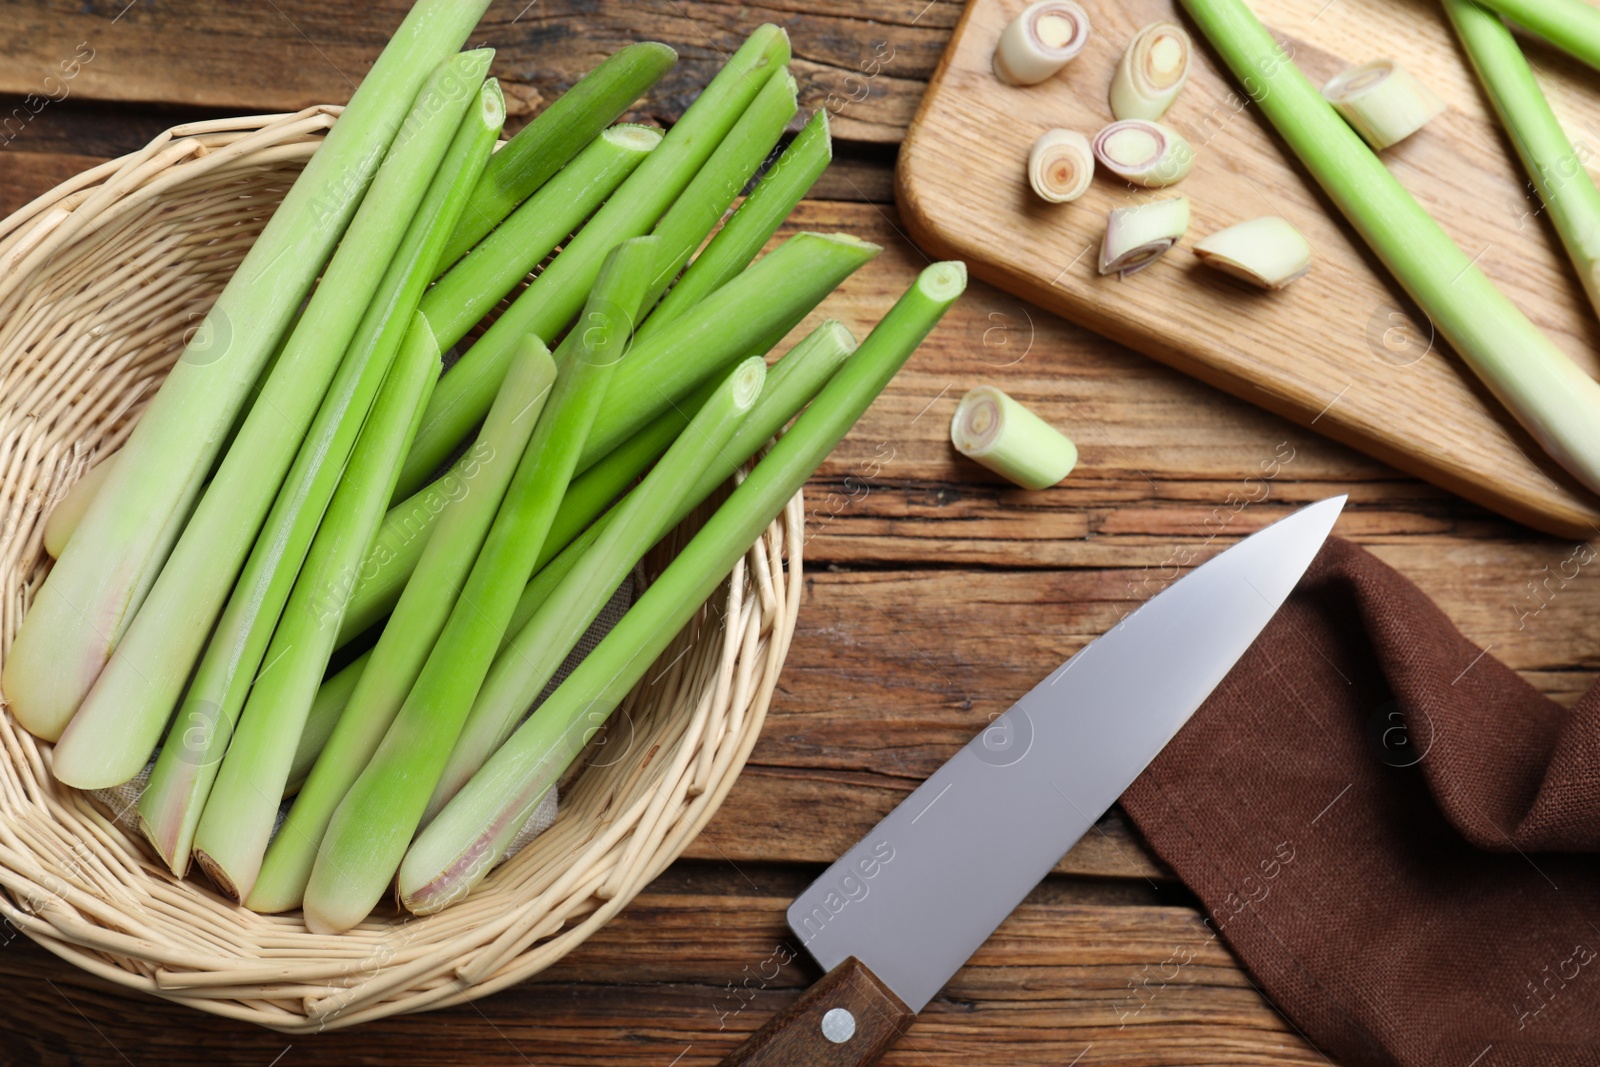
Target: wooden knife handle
[(846, 1020)]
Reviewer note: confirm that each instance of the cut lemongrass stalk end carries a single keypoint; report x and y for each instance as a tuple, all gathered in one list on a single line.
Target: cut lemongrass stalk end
[(1061, 165), (1143, 152), (1152, 72), (1138, 236), (992, 429), (1040, 41), (1382, 101), (1268, 252)]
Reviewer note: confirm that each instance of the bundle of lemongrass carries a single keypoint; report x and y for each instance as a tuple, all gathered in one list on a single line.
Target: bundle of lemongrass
[(279, 501)]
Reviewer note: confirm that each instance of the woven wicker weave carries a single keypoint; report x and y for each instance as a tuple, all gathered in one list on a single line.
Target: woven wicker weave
[(100, 279)]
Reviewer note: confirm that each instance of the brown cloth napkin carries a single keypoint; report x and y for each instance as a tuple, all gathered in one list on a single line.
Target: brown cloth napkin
[(1393, 831)]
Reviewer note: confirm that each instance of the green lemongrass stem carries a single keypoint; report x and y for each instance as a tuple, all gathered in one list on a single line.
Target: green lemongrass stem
[(243, 803), (1040, 41), (419, 617), (528, 660), (1383, 101), (1152, 72), (1267, 252), (472, 832), (555, 137), (1547, 392), (747, 316), (80, 613), (326, 710), (1137, 236), (1060, 165), (744, 235), (375, 821), (994, 430), (1571, 25), (1558, 174), (289, 452), (70, 509), (468, 290), (556, 295), (1144, 153)]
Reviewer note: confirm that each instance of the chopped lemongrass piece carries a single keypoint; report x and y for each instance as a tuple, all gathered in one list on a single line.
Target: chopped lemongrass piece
[(69, 510), (471, 834), (994, 430), (1138, 236), (1557, 171), (1267, 252), (1040, 41), (1152, 72), (80, 613), (1571, 25), (1061, 165), (1383, 101), (1143, 152), (332, 697), (1550, 395)]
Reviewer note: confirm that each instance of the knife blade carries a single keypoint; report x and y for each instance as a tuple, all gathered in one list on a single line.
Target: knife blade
[(900, 913)]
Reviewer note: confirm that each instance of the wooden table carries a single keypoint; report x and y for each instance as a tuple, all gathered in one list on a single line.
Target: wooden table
[(934, 596)]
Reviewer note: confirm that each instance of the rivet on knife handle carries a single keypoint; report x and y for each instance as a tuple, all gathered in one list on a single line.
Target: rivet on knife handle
[(846, 1020)]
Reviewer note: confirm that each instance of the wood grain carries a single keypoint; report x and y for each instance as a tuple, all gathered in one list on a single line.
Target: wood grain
[(849, 1018), (1342, 348)]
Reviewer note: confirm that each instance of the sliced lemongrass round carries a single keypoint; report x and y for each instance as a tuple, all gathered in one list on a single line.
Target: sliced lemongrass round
[(1382, 101), (1138, 236), (1040, 41), (1060, 165), (1152, 72), (1143, 152), (1267, 252), (994, 430)]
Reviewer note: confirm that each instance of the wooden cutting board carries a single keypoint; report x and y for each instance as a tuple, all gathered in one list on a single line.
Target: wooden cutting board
[(1342, 349)]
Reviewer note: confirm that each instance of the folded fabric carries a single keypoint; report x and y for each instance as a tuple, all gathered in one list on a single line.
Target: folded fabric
[(1393, 831)]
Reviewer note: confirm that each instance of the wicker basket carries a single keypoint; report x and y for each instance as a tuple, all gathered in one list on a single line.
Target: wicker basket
[(100, 279)]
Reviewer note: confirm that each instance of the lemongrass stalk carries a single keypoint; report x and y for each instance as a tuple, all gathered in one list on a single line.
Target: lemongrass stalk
[(1547, 392), (243, 804), (744, 235), (475, 284), (1060, 165), (80, 613), (1144, 153), (555, 137), (1383, 101), (1267, 252), (471, 834), (1558, 174), (1152, 72), (371, 827), (1137, 236), (701, 460), (288, 453), (396, 660), (992, 429), (746, 316), (69, 510), (1037, 43), (1571, 25), (326, 710), (548, 305)]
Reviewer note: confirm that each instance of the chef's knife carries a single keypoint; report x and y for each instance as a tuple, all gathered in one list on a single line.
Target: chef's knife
[(900, 913)]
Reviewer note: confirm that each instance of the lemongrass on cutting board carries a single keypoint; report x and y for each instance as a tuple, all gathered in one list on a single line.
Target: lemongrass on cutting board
[(1549, 394), (994, 430), (90, 596), (1151, 72), (1571, 25), (1266, 251), (1143, 153), (1040, 41), (1383, 101), (1548, 158), (1060, 165), (1137, 236)]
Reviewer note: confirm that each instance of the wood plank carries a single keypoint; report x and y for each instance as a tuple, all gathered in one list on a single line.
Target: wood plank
[(1315, 351)]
